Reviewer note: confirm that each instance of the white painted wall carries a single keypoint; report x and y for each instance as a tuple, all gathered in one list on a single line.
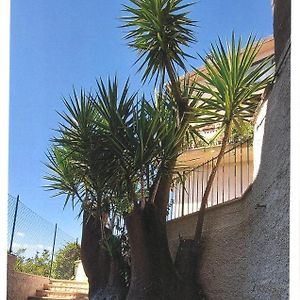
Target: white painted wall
[(259, 128), (236, 176), (79, 274), (231, 181)]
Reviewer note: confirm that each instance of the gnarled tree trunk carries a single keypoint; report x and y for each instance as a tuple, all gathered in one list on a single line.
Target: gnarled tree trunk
[(95, 260), (201, 213), (153, 274), (102, 269)]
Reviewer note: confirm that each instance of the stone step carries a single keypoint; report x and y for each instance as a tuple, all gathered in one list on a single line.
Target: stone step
[(56, 298), (59, 289), (59, 294), (63, 282), (67, 288)]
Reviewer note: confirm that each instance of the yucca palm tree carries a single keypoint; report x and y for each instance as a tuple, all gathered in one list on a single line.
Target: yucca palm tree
[(160, 31), (121, 150), (112, 152), (73, 163), (110, 138), (231, 88)]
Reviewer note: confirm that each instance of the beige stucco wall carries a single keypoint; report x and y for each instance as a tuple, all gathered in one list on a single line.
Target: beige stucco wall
[(231, 182), (21, 285)]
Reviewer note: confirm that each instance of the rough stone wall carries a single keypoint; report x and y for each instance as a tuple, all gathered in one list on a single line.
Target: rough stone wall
[(221, 270), (246, 248), (21, 285), (281, 25), (267, 229)]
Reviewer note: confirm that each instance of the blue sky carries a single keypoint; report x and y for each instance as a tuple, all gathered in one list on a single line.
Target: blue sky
[(56, 45)]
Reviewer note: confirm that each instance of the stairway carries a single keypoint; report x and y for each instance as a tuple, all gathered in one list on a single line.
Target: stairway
[(62, 290)]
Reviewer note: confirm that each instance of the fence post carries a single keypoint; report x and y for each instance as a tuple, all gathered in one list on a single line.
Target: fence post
[(14, 225), (53, 249), (182, 199)]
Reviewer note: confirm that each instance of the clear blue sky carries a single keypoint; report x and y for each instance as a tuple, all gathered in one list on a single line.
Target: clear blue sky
[(56, 45)]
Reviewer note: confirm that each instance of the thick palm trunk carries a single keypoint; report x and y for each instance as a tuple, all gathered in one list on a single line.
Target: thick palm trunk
[(175, 87), (153, 275), (95, 259), (201, 214), (102, 270)]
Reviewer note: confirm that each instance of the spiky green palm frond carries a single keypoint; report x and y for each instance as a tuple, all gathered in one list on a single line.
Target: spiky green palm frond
[(63, 177), (110, 143), (143, 138), (232, 82), (190, 94), (159, 30)]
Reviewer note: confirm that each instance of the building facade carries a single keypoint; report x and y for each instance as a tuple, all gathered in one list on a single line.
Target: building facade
[(236, 172)]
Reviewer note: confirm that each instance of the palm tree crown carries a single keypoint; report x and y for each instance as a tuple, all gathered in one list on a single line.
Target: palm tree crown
[(232, 83), (158, 31)]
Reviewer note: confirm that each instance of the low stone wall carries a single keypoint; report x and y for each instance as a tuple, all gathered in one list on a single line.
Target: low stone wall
[(21, 285), (217, 219), (222, 265)]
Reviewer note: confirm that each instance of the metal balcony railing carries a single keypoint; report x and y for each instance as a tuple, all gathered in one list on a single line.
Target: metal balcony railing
[(233, 177)]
